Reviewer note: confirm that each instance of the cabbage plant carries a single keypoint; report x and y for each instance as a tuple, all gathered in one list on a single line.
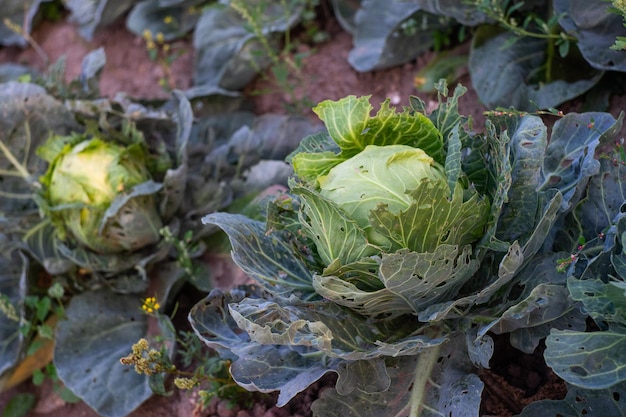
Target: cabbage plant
[(404, 241), (91, 189), (102, 198)]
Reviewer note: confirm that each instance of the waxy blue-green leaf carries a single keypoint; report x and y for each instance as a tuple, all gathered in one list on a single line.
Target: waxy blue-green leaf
[(403, 31), (511, 78), (603, 301), (29, 116), (326, 327), (172, 18), (528, 140), (338, 238), (266, 258), (100, 327), (570, 157), (378, 303), (412, 386), (14, 268), (258, 367), (545, 304), (596, 29), (93, 14), (228, 53), (580, 402), (593, 360), (453, 159)]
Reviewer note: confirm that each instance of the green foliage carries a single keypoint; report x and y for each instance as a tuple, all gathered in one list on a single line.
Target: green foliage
[(186, 164), (328, 299), (19, 405), (595, 278)]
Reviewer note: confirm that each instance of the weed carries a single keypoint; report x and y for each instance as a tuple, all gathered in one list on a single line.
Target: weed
[(210, 377), (44, 312), (528, 25), (163, 53), (286, 63), (619, 7)]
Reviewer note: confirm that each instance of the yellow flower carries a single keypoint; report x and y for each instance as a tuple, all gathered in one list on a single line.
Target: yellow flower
[(150, 305), (147, 35), (160, 38), (168, 19)]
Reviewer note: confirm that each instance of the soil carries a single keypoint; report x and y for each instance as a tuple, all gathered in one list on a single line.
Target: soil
[(514, 379)]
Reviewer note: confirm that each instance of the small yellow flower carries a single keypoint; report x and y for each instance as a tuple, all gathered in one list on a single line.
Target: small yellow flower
[(150, 305), (147, 35), (150, 45), (166, 48), (168, 19), (160, 38), (186, 383)]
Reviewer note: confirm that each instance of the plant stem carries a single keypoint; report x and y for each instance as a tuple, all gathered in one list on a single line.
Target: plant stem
[(425, 365), (13, 160)]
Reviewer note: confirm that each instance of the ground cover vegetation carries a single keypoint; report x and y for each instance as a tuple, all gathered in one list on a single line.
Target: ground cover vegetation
[(404, 239)]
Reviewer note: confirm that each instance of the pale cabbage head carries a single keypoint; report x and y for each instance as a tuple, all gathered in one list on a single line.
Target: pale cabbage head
[(388, 176), (85, 179)]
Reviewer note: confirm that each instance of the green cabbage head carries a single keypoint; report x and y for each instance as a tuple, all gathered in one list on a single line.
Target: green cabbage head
[(381, 176), (100, 193)]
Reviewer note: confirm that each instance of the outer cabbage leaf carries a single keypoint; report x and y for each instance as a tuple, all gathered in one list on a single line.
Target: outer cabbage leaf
[(99, 329), (410, 391), (29, 116), (14, 268), (21, 14), (595, 29), (352, 128), (508, 267), (527, 146), (605, 196), (151, 15), (403, 31), (508, 79), (266, 258), (570, 157), (263, 356), (228, 54), (580, 401), (593, 360), (93, 14)]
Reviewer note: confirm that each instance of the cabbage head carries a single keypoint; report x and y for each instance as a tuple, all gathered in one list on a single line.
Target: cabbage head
[(391, 178), (99, 193)]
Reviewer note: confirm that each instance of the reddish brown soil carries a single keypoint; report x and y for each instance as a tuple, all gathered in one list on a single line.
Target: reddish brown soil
[(514, 381)]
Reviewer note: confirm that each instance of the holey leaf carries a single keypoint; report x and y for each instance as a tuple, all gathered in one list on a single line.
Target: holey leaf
[(582, 402), (423, 279), (338, 239), (592, 360), (570, 157), (437, 382), (266, 258), (527, 145), (432, 219)]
